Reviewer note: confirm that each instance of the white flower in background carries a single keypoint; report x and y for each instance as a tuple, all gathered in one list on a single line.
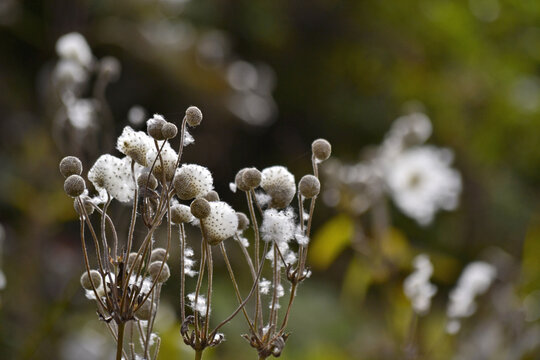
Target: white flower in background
[(73, 46), (114, 175), (421, 182), (417, 286), (475, 280), (81, 113)]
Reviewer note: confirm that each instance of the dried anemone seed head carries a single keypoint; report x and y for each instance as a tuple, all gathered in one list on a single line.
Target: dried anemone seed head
[(154, 126), (181, 214), (144, 312), (251, 177), (239, 180), (147, 180), (212, 196), (200, 208), (156, 275), (86, 283), (243, 221), (221, 223), (135, 144), (87, 206), (193, 116), (169, 130), (192, 181), (309, 186), (74, 185), (70, 165), (134, 260), (159, 254), (110, 67), (321, 149), (279, 183)]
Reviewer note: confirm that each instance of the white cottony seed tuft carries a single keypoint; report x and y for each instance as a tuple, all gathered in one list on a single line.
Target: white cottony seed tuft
[(222, 223)]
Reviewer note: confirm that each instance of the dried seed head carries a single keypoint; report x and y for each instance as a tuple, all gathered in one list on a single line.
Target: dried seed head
[(74, 185), (147, 180), (222, 223), (243, 221), (144, 312), (70, 165), (86, 283), (87, 206), (212, 196), (200, 208), (135, 144), (193, 116), (309, 186), (279, 183), (154, 126), (154, 268), (321, 149), (158, 254), (169, 130), (192, 181), (134, 260), (252, 177), (239, 180), (181, 214)]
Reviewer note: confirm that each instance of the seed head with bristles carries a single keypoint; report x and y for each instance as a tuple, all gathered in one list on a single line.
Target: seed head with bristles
[(70, 165)]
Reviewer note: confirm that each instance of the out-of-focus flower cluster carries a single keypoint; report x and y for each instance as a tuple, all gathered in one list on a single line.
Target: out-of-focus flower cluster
[(418, 177)]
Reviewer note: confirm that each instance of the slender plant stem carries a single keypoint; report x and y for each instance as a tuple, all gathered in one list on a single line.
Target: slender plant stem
[(258, 308), (182, 272), (198, 354), (120, 341)]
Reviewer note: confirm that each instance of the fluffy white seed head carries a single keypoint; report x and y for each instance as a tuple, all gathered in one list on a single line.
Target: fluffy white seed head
[(168, 156), (417, 286), (73, 46), (192, 181), (279, 183), (114, 175), (222, 223), (278, 226), (135, 144)]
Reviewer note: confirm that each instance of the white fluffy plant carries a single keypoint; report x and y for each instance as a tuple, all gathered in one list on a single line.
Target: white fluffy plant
[(163, 193)]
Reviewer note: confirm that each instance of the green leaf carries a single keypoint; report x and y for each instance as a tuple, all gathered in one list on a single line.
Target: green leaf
[(330, 240)]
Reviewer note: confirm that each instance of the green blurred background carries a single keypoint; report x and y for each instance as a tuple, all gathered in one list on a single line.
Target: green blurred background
[(342, 70)]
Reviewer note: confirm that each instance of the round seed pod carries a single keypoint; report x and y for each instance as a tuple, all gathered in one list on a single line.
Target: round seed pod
[(252, 177), (212, 196), (70, 165), (243, 221), (309, 186), (145, 181), (134, 260), (154, 127), (239, 181), (144, 312), (158, 254), (87, 206), (200, 208), (169, 130), (74, 185), (85, 279), (193, 116), (154, 268), (181, 214), (321, 149)]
